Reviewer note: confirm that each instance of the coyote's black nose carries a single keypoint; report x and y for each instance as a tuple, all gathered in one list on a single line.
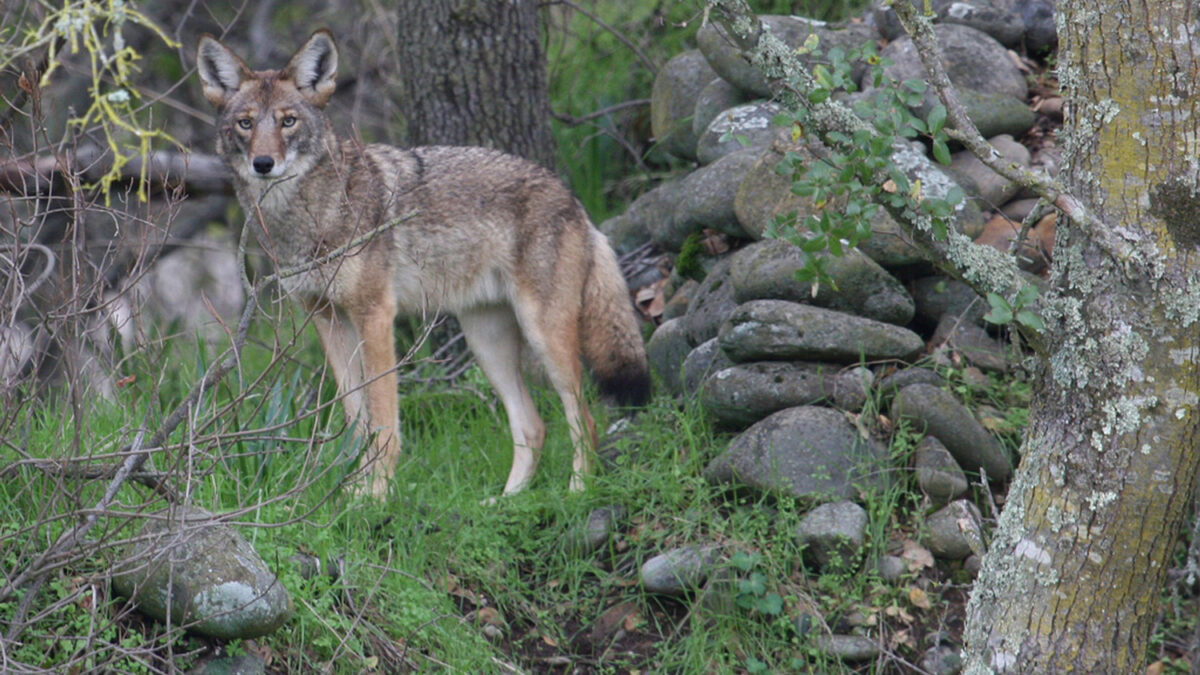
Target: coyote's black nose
[(263, 164)]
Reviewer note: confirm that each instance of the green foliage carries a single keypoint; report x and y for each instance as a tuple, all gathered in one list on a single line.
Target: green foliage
[(688, 263), (844, 185), (1021, 310)]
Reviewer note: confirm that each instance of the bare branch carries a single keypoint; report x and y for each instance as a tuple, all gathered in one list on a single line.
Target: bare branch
[(197, 173), (921, 31), (573, 121)]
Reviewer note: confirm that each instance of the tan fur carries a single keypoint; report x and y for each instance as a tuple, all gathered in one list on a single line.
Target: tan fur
[(496, 240)]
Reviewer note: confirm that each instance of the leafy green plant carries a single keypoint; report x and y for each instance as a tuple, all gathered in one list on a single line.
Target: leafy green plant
[(752, 590), (843, 183), (1020, 310)]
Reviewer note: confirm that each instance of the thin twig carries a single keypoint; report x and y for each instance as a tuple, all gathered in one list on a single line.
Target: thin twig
[(646, 60), (571, 120)]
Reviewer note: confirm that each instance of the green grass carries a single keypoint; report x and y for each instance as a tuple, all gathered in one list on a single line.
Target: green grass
[(419, 572)]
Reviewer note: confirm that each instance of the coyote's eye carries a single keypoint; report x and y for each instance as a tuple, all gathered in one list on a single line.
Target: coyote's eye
[(288, 121), (245, 123)]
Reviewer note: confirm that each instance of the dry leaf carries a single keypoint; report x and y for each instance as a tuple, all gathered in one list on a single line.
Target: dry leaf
[(897, 612), (919, 598), (917, 556), (490, 616), (549, 640), (902, 637)]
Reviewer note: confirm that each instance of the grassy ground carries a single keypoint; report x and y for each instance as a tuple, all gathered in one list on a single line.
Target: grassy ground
[(431, 578)]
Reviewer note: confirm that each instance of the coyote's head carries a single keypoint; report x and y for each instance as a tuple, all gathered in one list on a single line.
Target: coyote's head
[(270, 123)]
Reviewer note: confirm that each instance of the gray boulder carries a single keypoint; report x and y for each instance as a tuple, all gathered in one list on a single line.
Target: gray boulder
[(764, 196), (706, 198), (939, 296), (204, 575), (711, 305), (980, 181), (997, 114), (679, 570), (972, 342), (849, 648), (938, 413), (725, 58), (716, 96), (955, 531), (942, 660), (703, 361), (767, 269), (891, 568), (747, 392), (975, 62), (894, 382), (624, 234), (652, 213), (889, 245), (811, 453), (747, 126), (851, 387), (679, 299), (595, 531), (938, 475), (771, 330), (666, 350), (673, 98), (1041, 30), (242, 664), (995, 19), (833, 535)]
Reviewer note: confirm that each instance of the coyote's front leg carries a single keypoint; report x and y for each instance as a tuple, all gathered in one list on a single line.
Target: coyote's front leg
[(359, 351), (374, 325)]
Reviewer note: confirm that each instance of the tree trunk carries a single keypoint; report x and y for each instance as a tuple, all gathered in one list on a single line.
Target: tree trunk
[(1073, 576), (475, 75), (1077, 565)]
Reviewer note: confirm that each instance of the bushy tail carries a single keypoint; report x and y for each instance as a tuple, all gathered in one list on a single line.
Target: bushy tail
[(612, 345)]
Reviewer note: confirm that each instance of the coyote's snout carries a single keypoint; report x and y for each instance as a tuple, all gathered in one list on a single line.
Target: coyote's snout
[(498, 241)]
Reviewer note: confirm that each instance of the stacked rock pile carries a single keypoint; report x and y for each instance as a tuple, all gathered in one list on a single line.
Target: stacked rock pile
[(788, 365)]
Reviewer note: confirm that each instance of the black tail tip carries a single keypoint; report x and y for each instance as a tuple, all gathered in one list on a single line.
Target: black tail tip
[(627, 389)]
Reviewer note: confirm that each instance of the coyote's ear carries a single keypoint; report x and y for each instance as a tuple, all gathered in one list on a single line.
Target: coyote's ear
[(314, 68), (221, 71)]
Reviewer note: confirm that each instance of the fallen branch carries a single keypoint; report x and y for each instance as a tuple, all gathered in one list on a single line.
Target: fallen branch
[(166, 170)]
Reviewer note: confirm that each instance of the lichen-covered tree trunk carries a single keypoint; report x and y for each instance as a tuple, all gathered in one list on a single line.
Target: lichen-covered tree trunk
[(474, 74), (1078, 561)]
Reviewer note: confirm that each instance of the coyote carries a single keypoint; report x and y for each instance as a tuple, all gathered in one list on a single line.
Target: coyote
[(497, 241)]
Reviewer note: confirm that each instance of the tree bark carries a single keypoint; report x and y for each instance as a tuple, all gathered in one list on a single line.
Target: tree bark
[(1078, 561), (475, 74), (1079, 557)]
